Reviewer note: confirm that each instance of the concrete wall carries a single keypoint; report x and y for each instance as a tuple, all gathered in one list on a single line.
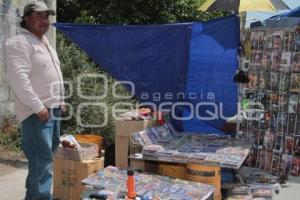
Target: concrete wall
[(10, 12)]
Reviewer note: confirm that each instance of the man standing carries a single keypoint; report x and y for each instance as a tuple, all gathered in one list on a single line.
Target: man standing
[(34, 74)]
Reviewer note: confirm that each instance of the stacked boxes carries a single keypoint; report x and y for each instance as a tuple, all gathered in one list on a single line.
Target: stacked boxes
[(71, 167)]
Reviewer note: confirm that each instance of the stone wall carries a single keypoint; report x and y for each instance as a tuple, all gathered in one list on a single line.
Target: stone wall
[(10, 12)]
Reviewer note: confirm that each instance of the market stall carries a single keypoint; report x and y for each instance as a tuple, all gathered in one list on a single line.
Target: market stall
[(182, 78), (185, 67)]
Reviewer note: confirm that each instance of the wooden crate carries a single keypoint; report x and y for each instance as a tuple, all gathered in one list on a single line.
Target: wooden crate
[(68, 174)]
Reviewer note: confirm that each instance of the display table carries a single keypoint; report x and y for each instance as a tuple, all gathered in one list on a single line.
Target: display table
[(202, 152), (224, 152), (112, 182)]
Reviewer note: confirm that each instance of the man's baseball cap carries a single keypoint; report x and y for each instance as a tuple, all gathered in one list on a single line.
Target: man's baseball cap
[(37, 6)]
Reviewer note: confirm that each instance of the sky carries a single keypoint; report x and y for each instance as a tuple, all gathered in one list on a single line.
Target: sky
[(260, 16)]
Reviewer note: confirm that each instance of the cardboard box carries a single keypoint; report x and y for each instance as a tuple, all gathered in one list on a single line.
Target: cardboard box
[(172, 170), (123, 132), (87, 151), (68, 174)]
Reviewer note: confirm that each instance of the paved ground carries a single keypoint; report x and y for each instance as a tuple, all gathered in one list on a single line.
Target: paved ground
[(290, 190), (12, 179), (13, 174)]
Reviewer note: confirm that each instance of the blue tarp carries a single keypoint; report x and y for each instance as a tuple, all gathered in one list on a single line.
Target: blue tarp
[(213, 62), (290, 19), (193, 63), (292, 13)]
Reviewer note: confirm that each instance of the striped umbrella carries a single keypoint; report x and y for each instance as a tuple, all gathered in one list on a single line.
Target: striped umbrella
[(237, 6)]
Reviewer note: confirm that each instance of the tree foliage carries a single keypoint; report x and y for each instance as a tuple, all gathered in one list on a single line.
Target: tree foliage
[(74, 64), (132, 11)]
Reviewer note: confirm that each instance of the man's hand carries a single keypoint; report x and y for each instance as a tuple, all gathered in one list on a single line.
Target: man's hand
[(44, 114)]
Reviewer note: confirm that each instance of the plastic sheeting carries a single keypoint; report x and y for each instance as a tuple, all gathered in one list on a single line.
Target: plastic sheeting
[(213, 61), (189, 63), (290, 19)]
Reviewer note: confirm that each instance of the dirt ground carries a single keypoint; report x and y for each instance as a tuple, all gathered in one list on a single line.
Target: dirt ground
[(10, 161)]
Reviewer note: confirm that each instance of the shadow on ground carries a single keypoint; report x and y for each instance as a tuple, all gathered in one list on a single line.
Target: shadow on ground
[(20, 164)]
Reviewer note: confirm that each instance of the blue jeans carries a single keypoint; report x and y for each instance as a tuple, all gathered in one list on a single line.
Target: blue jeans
[(39, 140)]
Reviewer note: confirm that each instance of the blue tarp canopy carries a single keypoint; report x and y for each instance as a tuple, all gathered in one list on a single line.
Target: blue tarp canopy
[(292, 13), (289, 19), (187, 67)]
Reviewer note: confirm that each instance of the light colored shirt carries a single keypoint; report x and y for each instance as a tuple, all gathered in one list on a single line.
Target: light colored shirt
[(34, 74)]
